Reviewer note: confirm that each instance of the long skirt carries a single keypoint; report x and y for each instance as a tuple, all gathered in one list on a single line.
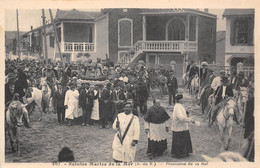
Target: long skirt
[(181, 143), (156, 147)]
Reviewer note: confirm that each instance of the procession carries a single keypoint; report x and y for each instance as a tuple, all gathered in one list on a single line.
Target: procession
[(97, 109)]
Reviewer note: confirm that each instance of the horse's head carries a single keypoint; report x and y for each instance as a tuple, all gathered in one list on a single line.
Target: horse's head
[(231, 107), (16, 113), (243, 94)]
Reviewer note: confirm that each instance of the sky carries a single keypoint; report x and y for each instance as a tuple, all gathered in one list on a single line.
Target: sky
[(32, 17)]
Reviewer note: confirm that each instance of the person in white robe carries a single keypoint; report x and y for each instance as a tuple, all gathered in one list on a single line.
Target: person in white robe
[(71, 103), (124, 147), (95, 109)]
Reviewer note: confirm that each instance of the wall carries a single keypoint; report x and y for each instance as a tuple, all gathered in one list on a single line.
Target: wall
[(220, 48), (156, 26), (235, 49), (206, 47), (101, 28), (114, 16)]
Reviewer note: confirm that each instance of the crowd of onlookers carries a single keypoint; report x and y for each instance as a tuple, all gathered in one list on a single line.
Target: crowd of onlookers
[(105, 85)]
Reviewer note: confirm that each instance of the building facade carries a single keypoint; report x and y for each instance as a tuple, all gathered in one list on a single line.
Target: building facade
[(239, 45)]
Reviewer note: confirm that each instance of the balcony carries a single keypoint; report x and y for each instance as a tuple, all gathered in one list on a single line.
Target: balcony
[(77, 47), (158, 46)]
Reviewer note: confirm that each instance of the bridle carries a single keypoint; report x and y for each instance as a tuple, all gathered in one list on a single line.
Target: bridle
[(226, 114)]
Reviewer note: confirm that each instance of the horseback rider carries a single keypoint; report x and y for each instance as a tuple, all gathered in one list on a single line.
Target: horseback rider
[(221, 94), (193, 71), (203, 72), (240, 80), (217, 80)]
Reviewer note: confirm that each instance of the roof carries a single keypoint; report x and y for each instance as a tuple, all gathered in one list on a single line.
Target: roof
[(76, 15), (233, 12), (38, 28), (176, 11)]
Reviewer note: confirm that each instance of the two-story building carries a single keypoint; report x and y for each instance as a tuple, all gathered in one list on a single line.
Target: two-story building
[(156, 36), (239, 36)]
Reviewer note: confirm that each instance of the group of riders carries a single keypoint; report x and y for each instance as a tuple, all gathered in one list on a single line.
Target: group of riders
[(217, 86)]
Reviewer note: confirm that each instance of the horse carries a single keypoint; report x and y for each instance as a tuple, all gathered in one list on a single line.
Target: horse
[(37, 98), (204, 97), (194, 86), (14, 119), (225, 122), (241, 98)]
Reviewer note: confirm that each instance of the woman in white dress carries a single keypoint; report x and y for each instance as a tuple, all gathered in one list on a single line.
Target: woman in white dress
[(71, 103)]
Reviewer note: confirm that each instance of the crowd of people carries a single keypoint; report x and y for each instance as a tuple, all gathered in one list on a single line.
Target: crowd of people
[(114, 103)]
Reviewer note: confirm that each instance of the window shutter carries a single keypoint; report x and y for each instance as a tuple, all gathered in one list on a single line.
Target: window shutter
[(232, 32), (250, 31)]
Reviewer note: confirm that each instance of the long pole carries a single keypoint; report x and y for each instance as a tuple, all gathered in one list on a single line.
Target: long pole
[(18, 41), (241, 131), (44, 35), (56, 38)]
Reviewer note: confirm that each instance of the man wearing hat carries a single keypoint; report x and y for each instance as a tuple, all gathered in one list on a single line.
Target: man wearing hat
[(142, 95), (9, 88), (172, 84), (217, 80), (203, 72), (194, 70), (21, 83), (240, 81), (86, 102), (222, 93), (58, 103)]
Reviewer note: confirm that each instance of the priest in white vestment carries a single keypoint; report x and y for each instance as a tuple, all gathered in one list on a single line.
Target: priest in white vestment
[(127, 136)]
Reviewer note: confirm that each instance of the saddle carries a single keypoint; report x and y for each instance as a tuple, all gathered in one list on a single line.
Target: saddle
[(216, 110)]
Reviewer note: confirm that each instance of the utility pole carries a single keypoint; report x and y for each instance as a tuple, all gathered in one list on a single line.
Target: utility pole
[(45, 41), (18, 41), (56, 38)]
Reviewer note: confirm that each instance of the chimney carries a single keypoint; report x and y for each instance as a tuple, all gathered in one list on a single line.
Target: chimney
[(206, 10), (31, 27)]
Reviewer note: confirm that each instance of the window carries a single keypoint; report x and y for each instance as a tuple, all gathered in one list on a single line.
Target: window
[(121, 54), (211, 35), (192, 28), (125, 32), (175, 29), (242, 31)]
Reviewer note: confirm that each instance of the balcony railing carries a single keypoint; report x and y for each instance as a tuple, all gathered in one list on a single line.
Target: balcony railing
[(158, 46), (78, 47)]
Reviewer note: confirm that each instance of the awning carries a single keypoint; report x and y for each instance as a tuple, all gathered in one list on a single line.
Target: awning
[(238, 55), (238, 12)]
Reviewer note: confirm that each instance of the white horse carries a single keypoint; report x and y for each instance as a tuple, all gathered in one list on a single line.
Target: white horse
[(194, 86), (241, 98), (42, 98), (225, 122)]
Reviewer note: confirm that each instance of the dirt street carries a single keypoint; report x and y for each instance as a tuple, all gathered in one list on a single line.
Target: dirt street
[(46, 138)]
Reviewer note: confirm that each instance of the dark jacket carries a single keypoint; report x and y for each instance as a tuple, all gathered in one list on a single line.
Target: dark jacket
[(58, 99), (193, 71), (86, 99), (8, 93), (172, 83), (203, 75), (218, 93)]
